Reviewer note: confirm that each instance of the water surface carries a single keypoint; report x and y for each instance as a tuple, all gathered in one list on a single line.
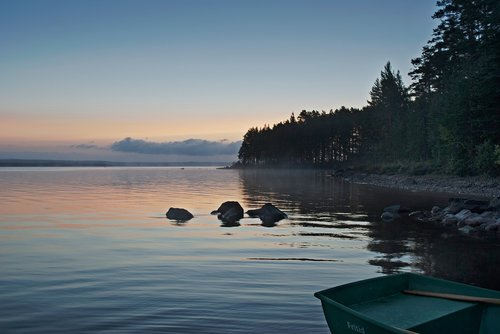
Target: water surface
[(87, 250)]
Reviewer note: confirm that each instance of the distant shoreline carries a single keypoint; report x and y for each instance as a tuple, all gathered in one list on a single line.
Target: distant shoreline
[(93, 163)]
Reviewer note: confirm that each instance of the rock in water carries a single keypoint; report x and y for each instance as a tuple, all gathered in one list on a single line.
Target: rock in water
[(229, 211), (396, 209), (392, 208), (421, 216), (231, 215), (449, 220), (389, 216), (458, 204), (468, 215), (226, 206), (392, 212), (436, 210), (268, 213), (466, 229), (463, 215), (455, 205), (494, 204), (179, 214)]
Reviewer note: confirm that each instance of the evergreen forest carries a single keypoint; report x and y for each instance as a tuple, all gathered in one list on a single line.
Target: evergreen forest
[(446, 121)]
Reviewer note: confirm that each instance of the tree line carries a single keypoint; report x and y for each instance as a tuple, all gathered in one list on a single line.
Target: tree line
[(447, 119)]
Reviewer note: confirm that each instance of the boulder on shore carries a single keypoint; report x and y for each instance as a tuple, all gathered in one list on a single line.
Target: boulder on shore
[(179, 214), (229, 211), (456, 205), (268, 213), (467, 215)]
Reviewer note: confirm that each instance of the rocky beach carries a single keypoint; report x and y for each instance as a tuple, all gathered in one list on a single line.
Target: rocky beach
[(475, 207), (480, 187)]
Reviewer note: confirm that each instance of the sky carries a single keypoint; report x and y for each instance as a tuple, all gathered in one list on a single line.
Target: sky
[(183, 80)]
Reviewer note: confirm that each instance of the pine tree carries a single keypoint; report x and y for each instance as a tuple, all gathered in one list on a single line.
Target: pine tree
[(389, 105)]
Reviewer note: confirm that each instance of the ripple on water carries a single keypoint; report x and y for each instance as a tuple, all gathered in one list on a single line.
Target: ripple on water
[(90, 250)]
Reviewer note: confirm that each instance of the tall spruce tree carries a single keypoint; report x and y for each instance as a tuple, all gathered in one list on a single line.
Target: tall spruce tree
[(456, 82), (389, 107)]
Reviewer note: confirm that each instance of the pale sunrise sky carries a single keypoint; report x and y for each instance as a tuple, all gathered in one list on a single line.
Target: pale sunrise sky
[(185, 79)]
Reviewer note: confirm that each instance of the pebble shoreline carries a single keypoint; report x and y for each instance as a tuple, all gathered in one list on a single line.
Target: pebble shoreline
[(473, 186), (476, 211)]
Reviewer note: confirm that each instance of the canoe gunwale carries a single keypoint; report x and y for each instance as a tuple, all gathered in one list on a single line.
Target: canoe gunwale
[(347, 303)]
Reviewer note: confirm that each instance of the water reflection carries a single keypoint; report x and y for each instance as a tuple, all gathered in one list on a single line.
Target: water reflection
[(95, 245), (326, 209), (230, 224)]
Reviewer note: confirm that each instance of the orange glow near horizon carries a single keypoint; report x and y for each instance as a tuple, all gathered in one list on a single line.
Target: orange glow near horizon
[(57, 129)]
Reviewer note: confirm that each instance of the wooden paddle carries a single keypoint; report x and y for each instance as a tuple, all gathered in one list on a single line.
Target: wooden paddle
[(407, 331), (452, 296)]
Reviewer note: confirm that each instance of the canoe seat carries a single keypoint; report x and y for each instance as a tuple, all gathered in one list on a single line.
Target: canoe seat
[(408, 311)]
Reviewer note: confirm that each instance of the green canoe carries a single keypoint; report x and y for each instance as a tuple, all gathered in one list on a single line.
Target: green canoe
[(410, 303)]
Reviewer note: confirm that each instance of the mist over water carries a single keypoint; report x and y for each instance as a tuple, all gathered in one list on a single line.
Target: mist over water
[(87, 250)]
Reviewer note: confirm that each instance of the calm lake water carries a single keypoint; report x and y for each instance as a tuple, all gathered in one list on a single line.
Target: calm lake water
[(86, 250)]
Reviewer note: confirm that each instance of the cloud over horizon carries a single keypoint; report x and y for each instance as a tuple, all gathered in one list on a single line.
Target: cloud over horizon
[(87, 147), (191, 147)]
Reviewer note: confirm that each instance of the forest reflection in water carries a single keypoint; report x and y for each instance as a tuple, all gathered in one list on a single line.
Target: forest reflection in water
[(330, 209)]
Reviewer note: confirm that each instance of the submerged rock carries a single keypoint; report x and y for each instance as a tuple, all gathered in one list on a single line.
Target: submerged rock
[(268, 213), (396, 209), (179, 214), (392, 212), (417, 214), (389, 216), (467, 229)]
